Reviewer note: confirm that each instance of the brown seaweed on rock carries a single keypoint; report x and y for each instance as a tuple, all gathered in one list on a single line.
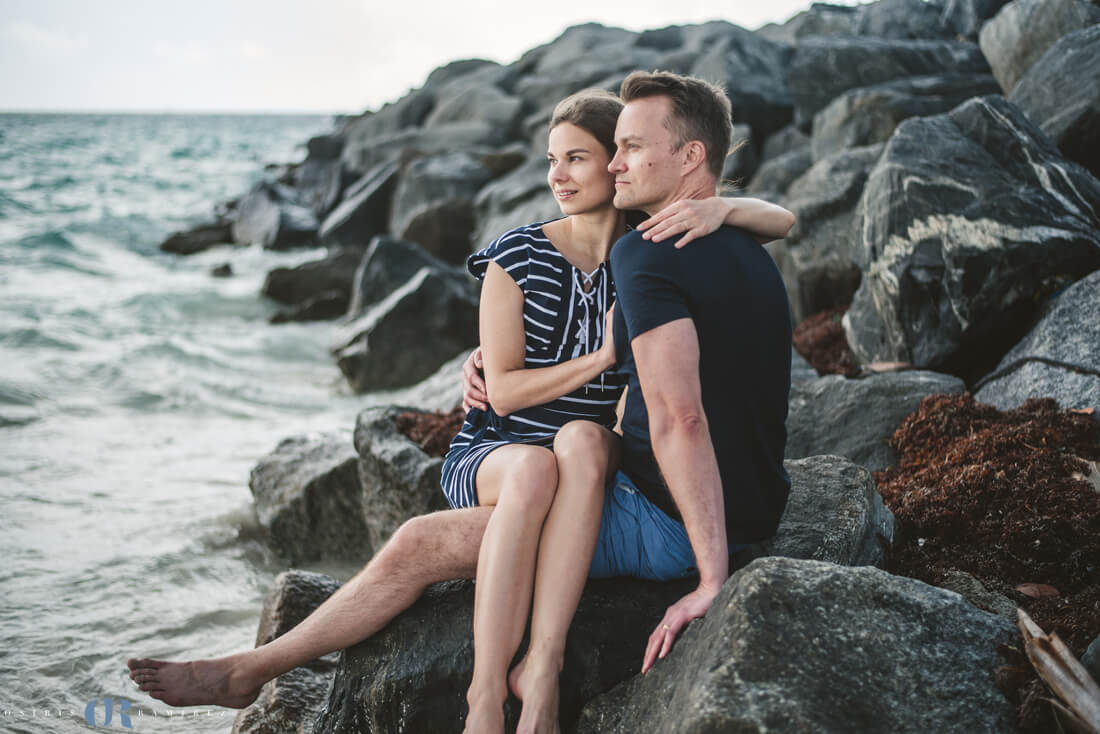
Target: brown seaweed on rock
[(1001, 496), (431, 431)]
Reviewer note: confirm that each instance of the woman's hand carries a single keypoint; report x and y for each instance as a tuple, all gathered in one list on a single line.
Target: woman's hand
[(473, 385), (691, 217)]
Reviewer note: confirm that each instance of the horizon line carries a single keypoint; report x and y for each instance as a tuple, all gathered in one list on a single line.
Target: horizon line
[(169, 111)]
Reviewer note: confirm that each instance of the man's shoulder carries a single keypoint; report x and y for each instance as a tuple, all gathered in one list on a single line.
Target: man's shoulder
[(632, 251)]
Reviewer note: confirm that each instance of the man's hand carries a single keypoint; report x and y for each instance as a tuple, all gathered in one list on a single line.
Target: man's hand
[(694, 217), (473, 385), (692, 606)]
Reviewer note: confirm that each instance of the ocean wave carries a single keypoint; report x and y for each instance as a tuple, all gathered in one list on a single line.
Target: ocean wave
[(51, 239)]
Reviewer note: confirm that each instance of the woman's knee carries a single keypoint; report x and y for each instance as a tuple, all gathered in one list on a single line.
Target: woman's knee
[(532, 477), (584, 445)]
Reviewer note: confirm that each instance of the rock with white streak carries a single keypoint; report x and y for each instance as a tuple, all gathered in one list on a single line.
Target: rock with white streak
[(969, 219)]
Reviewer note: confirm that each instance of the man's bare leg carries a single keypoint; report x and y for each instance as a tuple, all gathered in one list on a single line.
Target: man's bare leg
[(520, 480), (587, 456), (435, 547)]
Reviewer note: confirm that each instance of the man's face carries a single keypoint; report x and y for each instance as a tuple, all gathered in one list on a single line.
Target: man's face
[(646, 165)]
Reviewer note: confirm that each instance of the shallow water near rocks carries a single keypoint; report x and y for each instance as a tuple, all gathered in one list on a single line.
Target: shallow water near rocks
[(136, 394)]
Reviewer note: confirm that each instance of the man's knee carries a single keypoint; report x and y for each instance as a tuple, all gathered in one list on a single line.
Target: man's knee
[(433, 541)]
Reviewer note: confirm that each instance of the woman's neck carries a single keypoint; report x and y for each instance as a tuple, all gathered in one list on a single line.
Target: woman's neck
[(587, 238)]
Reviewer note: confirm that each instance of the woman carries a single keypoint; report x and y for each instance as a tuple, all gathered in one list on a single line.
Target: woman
[(542, 451)]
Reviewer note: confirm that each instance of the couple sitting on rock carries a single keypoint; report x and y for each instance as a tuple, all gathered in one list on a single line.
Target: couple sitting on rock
[(543, 493)]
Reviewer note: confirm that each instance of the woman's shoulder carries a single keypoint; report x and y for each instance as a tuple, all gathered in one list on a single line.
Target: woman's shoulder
[(520, 243)]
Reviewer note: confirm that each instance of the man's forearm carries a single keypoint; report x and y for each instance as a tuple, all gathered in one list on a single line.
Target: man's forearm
[(686, 458)]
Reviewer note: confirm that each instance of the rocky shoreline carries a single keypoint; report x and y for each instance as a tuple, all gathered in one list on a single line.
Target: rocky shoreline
[(942, 160)]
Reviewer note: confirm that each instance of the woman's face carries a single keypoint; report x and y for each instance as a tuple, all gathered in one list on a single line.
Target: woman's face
[(578, 170)]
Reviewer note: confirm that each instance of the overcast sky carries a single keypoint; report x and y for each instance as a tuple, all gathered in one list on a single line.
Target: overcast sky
[(289, 55)]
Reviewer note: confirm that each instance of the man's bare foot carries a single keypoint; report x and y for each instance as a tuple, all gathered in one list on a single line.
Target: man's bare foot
[(540, 695), (195, 683)]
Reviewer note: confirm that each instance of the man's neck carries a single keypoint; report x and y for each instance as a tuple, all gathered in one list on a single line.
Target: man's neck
[(694, 189)]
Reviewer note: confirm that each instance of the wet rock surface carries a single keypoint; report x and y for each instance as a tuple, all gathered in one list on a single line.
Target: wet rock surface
[(290, 703), (413, 675), (307, 497), (787, 646)]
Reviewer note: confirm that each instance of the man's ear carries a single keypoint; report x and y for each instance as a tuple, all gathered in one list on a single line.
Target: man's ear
[(695, 155)]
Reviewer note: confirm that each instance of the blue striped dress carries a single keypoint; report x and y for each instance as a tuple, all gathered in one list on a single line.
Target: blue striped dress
[(562, 321)]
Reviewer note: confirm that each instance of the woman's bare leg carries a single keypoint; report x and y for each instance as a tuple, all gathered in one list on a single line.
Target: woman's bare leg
[(520, 480), (587, 456), (435, 547)]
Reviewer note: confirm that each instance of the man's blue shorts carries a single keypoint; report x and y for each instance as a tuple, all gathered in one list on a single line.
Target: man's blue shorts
[(638, 539)]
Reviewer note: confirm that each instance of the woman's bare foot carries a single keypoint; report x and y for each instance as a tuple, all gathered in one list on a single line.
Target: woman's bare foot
[(196, 683), (486, 716), (537, 687)]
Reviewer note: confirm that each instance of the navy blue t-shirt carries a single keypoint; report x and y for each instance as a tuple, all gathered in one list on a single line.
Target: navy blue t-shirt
[(730, 288)]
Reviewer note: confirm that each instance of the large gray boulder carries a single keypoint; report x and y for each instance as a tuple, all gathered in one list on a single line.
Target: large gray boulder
[(857, 418), (439, 393), (1023, 30), (308, 499), (823, 68), (902, 20), (399, 481), (821, 268), (834, 513), (465, 102), (775, 175), (967, 216), (433, 203), (199, 238), (751, 68), (801, 646), (820, 19), (319, 179), (413, 675), (270, 215), (1059, 358), (290, 703), (967, 17), (582, 56), (363, 154), (388, 264), (869, 115), (1061, 94), (406, 336), (514, 200), (331, 275), (784, 141), (365, 209)]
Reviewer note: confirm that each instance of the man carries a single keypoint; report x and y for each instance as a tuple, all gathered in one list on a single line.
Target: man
[(444, 545), (704, 334)]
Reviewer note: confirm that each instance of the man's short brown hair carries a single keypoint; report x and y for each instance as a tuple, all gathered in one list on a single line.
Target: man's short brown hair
[(700, 110)]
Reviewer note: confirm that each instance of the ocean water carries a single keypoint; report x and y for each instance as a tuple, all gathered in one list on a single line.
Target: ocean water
[(136, 393)]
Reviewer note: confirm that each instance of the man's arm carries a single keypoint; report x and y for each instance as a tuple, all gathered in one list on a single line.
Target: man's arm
[(667, 359)]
